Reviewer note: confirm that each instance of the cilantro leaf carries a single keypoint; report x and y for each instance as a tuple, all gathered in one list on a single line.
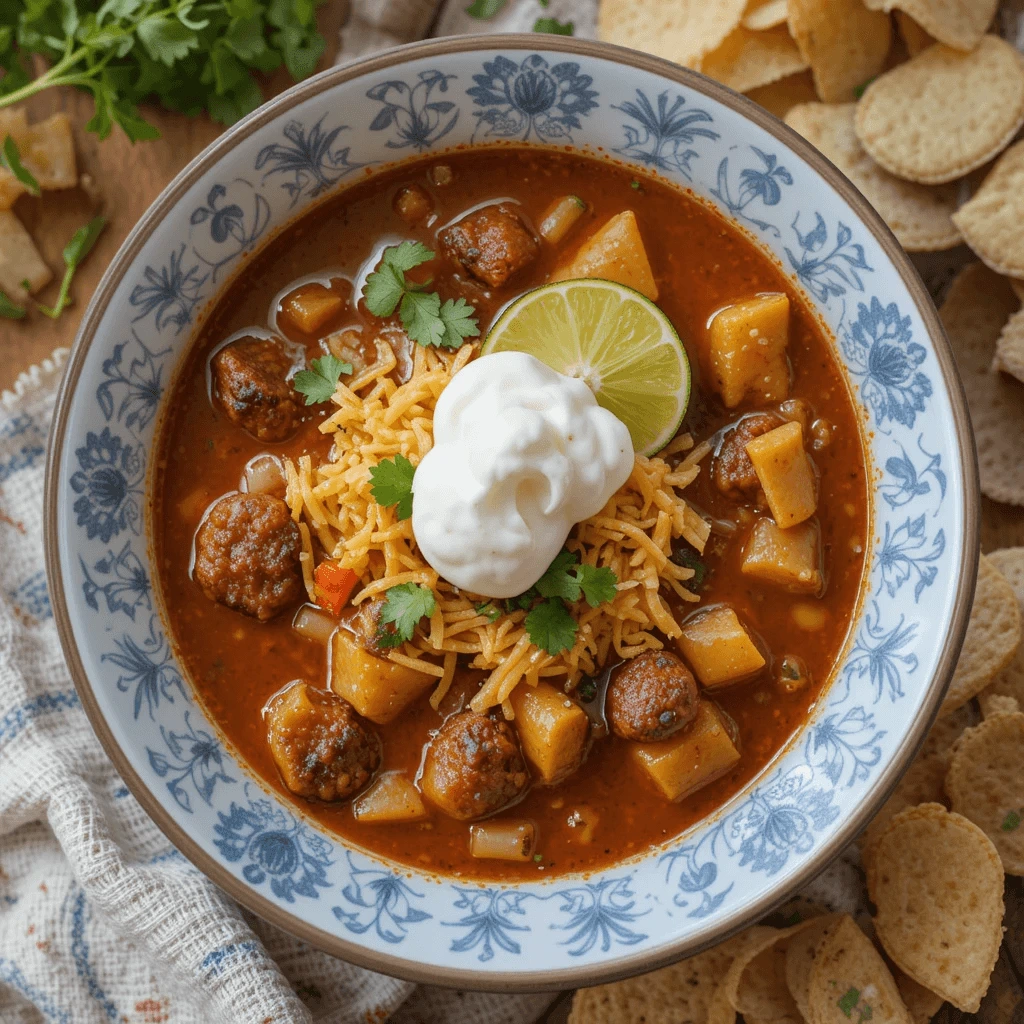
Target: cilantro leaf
[(403, 608), (419, 315), (489, 609), (485, 8), (1011, 822), (551, 627), (458, 322), (385, 287), (597, 583), (10, 157), (391, 484), (10, 310), (554, 26), (848, 1001), (75, 251), (318, 383)]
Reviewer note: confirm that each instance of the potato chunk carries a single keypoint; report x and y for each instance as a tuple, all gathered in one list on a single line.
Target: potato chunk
[(310, 306), (392, 797), (20, 262), (377, 688), (616, 253), (691, 759), (786, 558), (747, 350), (719, 648), (552, 730), (786, 473)]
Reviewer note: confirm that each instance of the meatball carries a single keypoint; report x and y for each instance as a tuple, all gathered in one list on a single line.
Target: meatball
[(651, 697), (247, 555), (250, 380), (320, 745), (491, 244), (732, 470), (473, 766)]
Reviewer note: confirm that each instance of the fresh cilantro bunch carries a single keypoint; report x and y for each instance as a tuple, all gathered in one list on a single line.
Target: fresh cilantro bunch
[(191, 55), (549, 622), (404, 607), (425, 318)]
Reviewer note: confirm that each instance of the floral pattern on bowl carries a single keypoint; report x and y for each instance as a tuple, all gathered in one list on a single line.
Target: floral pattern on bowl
[(272, 168)]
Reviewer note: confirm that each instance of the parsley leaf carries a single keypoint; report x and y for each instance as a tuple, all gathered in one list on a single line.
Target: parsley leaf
[(425, 318), (10, 157), (404, 606), (551, 627), (318, 383), (391, 484), (75, 251), (10, 310), (566, 578), (485, 8), (554, 26)]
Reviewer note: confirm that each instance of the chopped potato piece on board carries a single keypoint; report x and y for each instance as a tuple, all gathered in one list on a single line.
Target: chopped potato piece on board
[(719, 649), (690, 759), (377, 688), (552, 729), (616, 253), (787, 558), (786, 474), (392, 797), (747, 350), (310, 306), (47, 151), (20, 262)]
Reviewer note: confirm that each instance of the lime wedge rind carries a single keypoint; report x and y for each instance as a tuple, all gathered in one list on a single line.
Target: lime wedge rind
[(619, 341)]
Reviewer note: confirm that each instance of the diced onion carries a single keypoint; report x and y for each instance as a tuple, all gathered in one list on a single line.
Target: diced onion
[(560, 217), (502, 840), (314, 623), (264, 474)]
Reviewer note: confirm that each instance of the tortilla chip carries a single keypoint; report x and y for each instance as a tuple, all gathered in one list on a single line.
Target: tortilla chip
[(919, 215), (922, 1003), (944, 112), (780, 97), (1009, 357), (993, 704), (768, 14), (957, 23), (1010, 682), (986, 784), (747, 60), (937, 883), (844, 43), (977, 306), (683, 30), (915, 39), (801, 952), (850, 981), (683, 991), (993, 636), (1018, 288), (20, 262), (990, 220)]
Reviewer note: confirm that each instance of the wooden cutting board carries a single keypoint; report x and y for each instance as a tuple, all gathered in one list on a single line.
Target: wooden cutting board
[(121, 181)]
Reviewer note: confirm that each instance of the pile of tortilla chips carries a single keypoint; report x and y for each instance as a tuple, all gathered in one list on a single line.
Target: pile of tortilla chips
[(918, 103)]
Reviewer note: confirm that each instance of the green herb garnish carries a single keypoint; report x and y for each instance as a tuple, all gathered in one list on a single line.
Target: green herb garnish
[(404, 607), (319, 382), (848, 1001), (10, 310), (554, 26), (858, 90), (425, 318), (484, 8), (551, 627), (188, 55), (587, 690), (537, 858), (1011, 822), (75, 251), (10, 157), (636, 186), (391, 484), (690, 560), (489, 609)]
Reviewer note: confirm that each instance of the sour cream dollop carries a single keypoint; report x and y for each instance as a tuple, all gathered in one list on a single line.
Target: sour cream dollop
[(521, 454)]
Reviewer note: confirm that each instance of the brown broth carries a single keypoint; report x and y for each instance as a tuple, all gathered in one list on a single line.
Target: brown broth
[(701, 263)]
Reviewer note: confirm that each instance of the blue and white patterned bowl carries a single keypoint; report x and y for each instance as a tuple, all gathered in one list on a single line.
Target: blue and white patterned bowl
[(818, 794)]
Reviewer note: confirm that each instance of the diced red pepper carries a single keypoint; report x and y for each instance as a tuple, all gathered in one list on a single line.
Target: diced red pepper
[(334, 586)]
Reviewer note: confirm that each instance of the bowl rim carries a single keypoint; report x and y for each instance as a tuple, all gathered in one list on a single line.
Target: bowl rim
[(970, 545)]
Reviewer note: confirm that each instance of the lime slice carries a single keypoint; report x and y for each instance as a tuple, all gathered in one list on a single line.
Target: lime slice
[(616, 340)]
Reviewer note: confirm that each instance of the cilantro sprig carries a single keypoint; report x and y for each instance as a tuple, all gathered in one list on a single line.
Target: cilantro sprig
[(190, 55), (10, 310), (10, 158), (549, 622), (391, 484), (554, 27), (404, 606), (75, 251), (318, 382), (426, 319)]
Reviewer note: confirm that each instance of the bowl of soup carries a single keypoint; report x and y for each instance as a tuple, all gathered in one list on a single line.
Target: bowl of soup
[(507, 507)]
